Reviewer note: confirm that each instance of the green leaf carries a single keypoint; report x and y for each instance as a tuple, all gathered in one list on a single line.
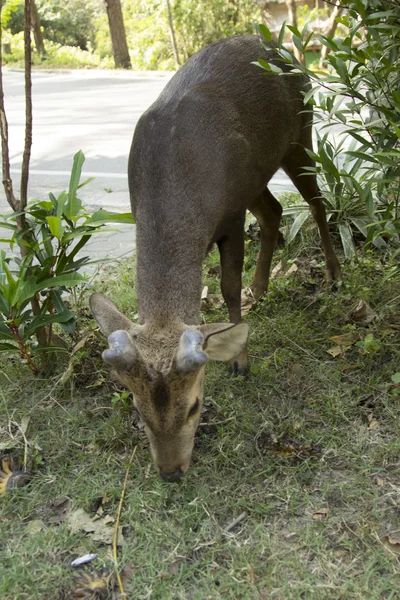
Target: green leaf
[(346, 236), (32, 287), (4, 347), (265, 32), (281, 34), (61, 200), (297, 224), (55, 226), (104, 216), (396, 378), (73, 205), (42, 320)]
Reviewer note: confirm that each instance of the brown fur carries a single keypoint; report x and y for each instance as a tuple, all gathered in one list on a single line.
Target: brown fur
[(202, 155)]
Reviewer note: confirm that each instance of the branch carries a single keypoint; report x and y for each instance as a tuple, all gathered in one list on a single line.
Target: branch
[(7, 181), (28, 106)]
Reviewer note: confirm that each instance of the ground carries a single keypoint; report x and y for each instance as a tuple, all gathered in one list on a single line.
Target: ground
[(304, 454)]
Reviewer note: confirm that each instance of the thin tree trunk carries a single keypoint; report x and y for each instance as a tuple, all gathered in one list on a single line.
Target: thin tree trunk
[(118, 35), (5, 153), (330, 30), (292, 20), (28, 111), (37, 32), (172, 35)]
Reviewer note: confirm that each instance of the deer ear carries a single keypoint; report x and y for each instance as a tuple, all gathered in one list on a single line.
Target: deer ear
[(107, 315), (224, 341)]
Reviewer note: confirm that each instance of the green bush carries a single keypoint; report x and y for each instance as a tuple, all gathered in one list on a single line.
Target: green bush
[(32, 287), (360, 93)]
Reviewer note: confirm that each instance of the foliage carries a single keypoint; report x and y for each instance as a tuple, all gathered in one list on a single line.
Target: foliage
[(358, 99), (70, 23), (12, 16), (55, 232)]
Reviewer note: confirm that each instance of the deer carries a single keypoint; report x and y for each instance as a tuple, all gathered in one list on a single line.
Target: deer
[(201, 156)]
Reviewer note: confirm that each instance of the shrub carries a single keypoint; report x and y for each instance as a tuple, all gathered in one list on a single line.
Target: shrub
[(360, 93), (32, 288)]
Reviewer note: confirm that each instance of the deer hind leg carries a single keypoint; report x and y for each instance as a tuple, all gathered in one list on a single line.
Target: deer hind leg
[(231, 249), (267, 211), (293, 164)]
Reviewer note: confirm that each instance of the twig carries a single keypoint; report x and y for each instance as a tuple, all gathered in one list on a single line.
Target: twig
[(28, 108), (7, 181), (235, 522), (116, 529)]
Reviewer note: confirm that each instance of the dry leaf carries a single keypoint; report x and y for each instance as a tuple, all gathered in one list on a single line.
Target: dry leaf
[(34, 527), (247, 301), (59, 508), (276, 270), (372, 422), (345, 339), (286, 446), (392, 543), (380, 482), (293, 269), (24, 424), (320, 514), (81, 343), (204, 293), (79, 520), (337, 350), (344, 342), (363, 312)]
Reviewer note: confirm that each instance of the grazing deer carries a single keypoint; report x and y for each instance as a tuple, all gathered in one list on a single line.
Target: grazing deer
[(202, 155)]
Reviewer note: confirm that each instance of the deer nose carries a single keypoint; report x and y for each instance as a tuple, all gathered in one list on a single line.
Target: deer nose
[(173, 476)]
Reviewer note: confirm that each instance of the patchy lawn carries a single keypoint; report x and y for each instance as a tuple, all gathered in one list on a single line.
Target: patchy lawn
[(294, 488)]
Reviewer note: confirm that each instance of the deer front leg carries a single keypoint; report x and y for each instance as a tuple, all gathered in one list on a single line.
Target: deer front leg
[(231, 249)]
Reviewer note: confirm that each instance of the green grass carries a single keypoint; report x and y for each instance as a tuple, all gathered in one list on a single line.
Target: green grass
[(177, 546)]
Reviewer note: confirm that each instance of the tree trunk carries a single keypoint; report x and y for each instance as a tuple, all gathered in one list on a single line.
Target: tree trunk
[(330, 31), (37, 32), (118, 35), (292, 20), (172, 35)]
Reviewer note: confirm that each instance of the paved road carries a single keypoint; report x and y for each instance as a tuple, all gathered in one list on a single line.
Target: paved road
[(93, 111)]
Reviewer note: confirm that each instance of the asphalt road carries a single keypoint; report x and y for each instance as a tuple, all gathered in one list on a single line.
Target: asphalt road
[(93, 111)]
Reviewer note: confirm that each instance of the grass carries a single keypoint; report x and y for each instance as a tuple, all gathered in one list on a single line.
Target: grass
[(315, 524)]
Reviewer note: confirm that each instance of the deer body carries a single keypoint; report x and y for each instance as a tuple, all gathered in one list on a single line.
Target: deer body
[(201, 156)]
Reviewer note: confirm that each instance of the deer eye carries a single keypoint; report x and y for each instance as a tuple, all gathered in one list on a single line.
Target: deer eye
[(194, 408)]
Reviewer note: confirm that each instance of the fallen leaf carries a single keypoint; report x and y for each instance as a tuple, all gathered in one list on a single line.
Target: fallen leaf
[(297, 371), (247, 301), (276, 270), (79, 520), (320, 514), (24, 424), (345, 339), (392, 543), (34, 527), (59, 508), (286, 446), (344, 342), (293, 269), (380, 482), (336, 351), (363, 312), (372, 422), (81, 342)]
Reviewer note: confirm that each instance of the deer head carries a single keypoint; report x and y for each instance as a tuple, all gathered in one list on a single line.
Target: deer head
[(164, 368)]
